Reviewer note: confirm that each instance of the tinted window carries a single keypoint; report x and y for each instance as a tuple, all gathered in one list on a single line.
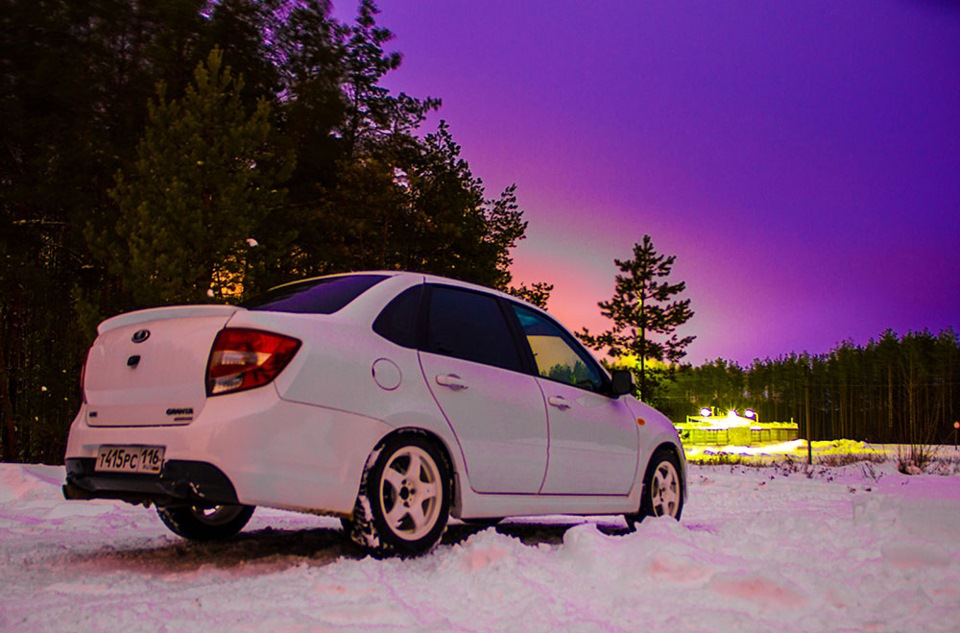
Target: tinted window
[(557, 355), (316, 296), (398, 321), (470, 326)]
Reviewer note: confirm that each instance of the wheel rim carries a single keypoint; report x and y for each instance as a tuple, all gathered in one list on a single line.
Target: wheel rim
[(410, 492), (217, 515), (665, 490)]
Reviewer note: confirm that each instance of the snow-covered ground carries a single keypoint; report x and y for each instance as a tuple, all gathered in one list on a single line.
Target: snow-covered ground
[(858, 548)]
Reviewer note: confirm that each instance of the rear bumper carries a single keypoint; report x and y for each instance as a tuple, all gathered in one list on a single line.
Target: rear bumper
[(249, 448), (196, 483)]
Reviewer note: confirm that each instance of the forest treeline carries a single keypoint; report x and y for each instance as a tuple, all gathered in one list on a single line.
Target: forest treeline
[(170, 151), (894, 389)]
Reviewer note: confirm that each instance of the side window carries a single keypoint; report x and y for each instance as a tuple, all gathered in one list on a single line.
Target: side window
[(398, 321), (470, 326), (557, 355)]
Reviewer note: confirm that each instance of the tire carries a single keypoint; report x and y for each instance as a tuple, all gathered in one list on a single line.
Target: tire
[(404, 500), (662, 489), (206, 524)]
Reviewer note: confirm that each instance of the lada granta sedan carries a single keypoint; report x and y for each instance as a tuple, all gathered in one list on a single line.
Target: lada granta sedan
[(392, 400)]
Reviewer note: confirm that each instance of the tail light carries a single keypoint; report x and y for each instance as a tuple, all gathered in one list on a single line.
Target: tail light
[(243, 359)]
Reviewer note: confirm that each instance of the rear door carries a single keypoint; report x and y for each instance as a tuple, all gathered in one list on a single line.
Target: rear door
[(473, 367)]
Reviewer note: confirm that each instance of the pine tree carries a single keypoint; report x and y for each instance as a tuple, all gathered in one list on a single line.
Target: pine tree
[(538, 293), (372, 111), (506, 227), (205, 179), (644, 312), (455, 230)]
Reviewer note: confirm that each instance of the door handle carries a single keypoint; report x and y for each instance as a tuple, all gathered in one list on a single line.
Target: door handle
[(559, 402), (452, 381)]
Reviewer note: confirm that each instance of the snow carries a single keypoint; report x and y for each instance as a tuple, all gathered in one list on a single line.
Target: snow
[(856, 548)]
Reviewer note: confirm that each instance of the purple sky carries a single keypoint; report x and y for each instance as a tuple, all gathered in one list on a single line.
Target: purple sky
[(801, 159)]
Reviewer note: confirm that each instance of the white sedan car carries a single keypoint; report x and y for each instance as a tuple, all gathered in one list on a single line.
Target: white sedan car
[(392, 400)]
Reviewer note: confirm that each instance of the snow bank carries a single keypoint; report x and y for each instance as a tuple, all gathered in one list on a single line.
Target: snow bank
[(845, 549)]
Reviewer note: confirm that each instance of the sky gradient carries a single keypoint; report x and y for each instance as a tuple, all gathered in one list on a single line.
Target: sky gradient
[(800, 159)]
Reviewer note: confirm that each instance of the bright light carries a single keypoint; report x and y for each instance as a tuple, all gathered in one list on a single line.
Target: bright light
[(732, 414), (750, 413), (706, 412)]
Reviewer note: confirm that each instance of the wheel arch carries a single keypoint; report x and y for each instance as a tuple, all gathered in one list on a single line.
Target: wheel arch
[(668, 446), (677, 451), (380, 523), (445, 451)]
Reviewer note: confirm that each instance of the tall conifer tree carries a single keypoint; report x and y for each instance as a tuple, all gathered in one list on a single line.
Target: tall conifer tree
[(645, 312), (205, 179)]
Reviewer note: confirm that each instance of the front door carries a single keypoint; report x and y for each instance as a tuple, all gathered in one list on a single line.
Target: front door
[(594, 439)]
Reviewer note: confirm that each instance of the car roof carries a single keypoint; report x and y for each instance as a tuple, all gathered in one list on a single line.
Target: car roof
[(420, 277)]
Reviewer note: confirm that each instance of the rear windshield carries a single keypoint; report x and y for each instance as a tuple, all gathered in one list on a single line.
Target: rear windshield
[(315, 296)]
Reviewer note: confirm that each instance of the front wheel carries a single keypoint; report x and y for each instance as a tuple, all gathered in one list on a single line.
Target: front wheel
[(206, 524), (662, 489), (404, 499)]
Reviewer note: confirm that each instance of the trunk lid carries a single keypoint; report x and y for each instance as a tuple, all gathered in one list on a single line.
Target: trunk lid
[(148, 368)]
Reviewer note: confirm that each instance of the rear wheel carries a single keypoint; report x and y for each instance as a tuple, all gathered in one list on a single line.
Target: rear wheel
[(662, 489), (404, 499), (206, 524)]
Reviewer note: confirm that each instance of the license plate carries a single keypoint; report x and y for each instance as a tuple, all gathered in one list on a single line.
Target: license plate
[(130, 459)]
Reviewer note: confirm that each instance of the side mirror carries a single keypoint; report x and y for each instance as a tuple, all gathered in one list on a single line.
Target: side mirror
[(621, 382)]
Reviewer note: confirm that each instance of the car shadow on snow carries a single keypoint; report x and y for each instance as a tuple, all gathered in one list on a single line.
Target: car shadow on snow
[(266, 550), (270, 550)]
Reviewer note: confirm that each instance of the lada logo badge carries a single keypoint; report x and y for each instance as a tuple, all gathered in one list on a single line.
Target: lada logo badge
[(140, 336)]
